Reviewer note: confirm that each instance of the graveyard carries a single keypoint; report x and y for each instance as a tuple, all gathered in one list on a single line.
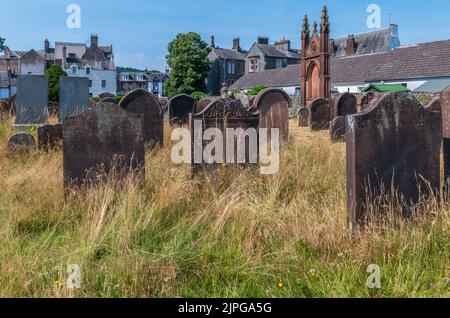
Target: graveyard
[(242, 194)]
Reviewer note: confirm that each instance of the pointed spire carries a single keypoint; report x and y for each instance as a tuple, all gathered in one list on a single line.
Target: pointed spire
[(325, 21), (305, 27), (315, 27)]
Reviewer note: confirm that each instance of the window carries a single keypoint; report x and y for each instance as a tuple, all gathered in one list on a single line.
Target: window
[(155, 86), (231, 68), (279, 63), (88, 70), (253, 65), (126, 77), (74, 70), (298, 91), (103, 84), (140, 77), (90, 83), (98, 64)]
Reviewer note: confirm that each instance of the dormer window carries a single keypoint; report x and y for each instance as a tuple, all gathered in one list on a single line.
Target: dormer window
[(74, 70), (88, 70)]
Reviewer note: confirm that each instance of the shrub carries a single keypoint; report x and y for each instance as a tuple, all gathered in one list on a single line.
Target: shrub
[(255, 90)]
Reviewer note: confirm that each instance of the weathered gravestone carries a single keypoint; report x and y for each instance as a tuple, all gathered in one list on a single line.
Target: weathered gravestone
[(395, 144), (434, 105), (180, 107), (345, 104), (223, 114), (100, 140), (202, 104), (303, 117), (445, 106), (21, 143), (73, 96), (319, 116), (31, 101), (337, 129), (146, 104), (273, 107), (50, 137)]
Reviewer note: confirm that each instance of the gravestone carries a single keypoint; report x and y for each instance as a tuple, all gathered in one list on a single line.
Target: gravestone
[(222, 114), (303, 117), (146, 104), (31, 101), (50, 137), (100, 140), (337, 129), (445, 106), (273, 107), (110, 100), (319, 116), (202, 104), (393, 144), (345, 104), (180, 107), (434, 105), (21, 143), (73, 96)]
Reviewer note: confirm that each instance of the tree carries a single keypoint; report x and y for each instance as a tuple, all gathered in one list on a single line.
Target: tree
[(188, 61), (2, 44), (255, 90), (54, 73)]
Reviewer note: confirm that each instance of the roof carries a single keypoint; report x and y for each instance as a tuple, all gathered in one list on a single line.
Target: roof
[(371, 42), (382, 88), (434, 85), (228, 54), (288, 76), (273, 51), (70, 44)]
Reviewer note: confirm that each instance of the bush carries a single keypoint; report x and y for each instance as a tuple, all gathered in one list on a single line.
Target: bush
[(198, 95), (255, 90), (118, 98), (54, 73)]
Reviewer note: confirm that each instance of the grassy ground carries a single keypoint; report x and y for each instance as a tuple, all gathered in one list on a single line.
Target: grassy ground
[(243, 235)]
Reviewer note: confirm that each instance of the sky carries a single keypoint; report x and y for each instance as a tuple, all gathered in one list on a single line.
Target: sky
[(140, 30)]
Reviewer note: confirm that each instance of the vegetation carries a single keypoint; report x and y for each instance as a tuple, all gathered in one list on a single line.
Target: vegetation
[(2, 44), (255, 90), (188, 61), (238, 235), (54, 73), (198, 95)]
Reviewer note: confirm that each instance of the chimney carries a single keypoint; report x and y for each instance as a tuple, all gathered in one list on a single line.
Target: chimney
[(263, 40), (236, 44), (213, 43), (351, 45), (283, 45), (94, 40), (46, 46)]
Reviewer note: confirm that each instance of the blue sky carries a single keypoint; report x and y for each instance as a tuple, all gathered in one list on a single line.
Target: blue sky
[(140, 30)]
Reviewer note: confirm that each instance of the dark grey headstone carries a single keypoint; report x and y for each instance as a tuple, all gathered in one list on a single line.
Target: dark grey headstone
[(394, 145), (21, 143), (32, 100), (99, 140), (337, 129), (180, 107), (303, 117), (73, 96), (319, 116), (50, 137)]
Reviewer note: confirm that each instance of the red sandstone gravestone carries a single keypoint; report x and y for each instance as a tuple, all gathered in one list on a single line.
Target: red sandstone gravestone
[(144, 103), (273, 106), (99, 140), (396, 142)]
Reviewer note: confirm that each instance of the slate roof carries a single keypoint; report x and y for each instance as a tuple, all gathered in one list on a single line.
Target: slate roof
[(272, 51), (288, 76), (423, 61), (228, 54), (370, 42), (434, 85)]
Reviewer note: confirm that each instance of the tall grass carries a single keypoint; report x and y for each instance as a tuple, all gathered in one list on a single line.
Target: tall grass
[(238, 235)]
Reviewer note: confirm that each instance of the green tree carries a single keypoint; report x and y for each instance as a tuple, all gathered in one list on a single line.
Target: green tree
[(255, 90), (188, 61), (2, 44), (54, 73)]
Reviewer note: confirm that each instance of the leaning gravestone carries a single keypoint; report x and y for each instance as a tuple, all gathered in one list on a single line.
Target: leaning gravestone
[(50, 137), (319, 117), (337, 129), (73, 96), (303, 117), (21, 143), (273, 107), (180, 107), (146, 104), (31, 101), (345, 104), (100, 140), (222, 114), (395, 144)]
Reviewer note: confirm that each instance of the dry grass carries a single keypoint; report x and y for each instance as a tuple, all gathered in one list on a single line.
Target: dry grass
[(236, 236)]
